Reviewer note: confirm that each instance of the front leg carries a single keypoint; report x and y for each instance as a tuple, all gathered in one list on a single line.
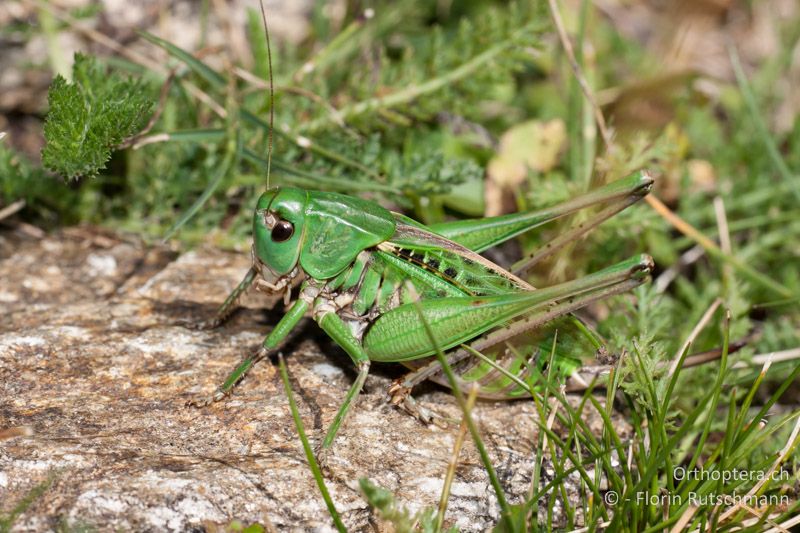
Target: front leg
[(271, 342), (227, 307), (335, 327)]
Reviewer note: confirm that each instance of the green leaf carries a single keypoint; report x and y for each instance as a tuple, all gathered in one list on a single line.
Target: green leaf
[(90, 117)]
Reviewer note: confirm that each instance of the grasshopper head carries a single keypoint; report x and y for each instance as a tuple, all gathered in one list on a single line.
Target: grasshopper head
[(321, 232), (278, 225)]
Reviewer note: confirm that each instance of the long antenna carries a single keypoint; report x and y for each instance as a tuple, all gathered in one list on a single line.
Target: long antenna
[(271, 93)]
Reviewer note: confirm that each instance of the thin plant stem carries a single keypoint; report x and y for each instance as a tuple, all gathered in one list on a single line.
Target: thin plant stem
[(576, 69), (712, 249), (451, 467)]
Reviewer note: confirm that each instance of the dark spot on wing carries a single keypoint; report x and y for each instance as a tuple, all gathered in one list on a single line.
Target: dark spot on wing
[(433, 263), (450, 272)]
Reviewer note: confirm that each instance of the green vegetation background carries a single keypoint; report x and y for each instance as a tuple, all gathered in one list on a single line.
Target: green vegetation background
[(411, 105)]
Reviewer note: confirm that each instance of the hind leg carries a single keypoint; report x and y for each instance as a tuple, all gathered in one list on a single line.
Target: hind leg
[(400, 390)]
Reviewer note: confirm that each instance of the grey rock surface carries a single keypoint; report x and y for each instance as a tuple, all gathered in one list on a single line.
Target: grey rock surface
[(97, 363)]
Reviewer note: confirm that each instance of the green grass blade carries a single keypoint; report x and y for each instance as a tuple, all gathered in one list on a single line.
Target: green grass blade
[(308, 144), (209, 135), (312, 461), (7, 521), (303, 178), (230, 161), (213, 78), (473, 429), (790, 379), (763, 134), (218, 81)]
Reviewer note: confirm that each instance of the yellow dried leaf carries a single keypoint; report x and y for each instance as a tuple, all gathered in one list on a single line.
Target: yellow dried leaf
[(533, 145), (702, 175)]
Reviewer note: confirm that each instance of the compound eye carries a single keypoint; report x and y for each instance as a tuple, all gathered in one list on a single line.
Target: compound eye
[(282, 231)]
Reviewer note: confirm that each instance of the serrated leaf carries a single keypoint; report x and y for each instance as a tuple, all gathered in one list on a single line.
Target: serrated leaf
[(90, 117)]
